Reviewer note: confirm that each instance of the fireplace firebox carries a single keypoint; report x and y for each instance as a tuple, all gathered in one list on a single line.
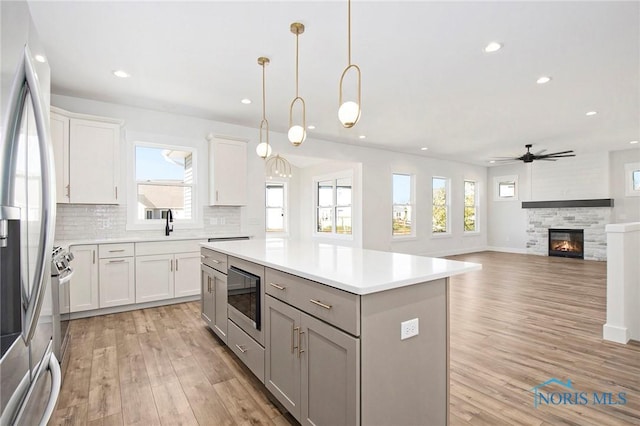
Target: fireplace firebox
[(566, 243)]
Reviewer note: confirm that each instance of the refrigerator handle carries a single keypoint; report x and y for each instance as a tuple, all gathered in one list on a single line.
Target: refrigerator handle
[(56, 384), (26, 82)]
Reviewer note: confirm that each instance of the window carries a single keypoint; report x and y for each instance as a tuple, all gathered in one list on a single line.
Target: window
[(402, 214), (333, 206), (164, 179), (275, 207), (470, 206), (632, 179), (440, 202), (505, 188)]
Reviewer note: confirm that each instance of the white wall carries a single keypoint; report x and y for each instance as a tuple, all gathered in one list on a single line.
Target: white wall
[(626, 208), (376, 169)]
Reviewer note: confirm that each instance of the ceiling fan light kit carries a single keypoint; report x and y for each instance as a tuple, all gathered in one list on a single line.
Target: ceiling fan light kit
[(297, 133)]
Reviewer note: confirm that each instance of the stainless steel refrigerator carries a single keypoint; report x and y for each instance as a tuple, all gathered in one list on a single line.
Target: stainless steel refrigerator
[(29, 372)]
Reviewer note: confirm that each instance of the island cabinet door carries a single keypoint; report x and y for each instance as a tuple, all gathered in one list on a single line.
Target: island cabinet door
[(207, 301), (282, 356), (220, 305), (330, 380)]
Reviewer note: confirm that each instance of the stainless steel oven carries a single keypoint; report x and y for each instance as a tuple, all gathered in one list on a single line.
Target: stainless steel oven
[(243, 295)]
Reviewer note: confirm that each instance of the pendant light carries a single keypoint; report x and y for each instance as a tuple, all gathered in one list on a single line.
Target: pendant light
[(297, 133), (263, 149), (349, 111), (279, 167)]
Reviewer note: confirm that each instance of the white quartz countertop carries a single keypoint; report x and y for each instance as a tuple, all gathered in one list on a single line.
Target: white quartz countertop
[(145, 238), (354, 270)]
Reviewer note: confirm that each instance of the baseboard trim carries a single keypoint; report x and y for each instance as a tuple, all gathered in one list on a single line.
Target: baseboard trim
[(133, 307), (616, 334), (508, 250), (453, 252)]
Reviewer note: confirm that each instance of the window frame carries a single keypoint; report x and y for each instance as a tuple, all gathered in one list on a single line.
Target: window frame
[(334, 177), (285, 208), (629, 170), (412, 204), (498, 180), (475, 206), (135, 223), (447, 206)]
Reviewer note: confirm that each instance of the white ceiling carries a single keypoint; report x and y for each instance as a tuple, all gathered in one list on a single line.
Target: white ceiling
[(426, 79)]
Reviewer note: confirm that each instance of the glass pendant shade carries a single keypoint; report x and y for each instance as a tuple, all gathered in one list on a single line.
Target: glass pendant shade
[(263, 150), (349, 113), (297, 134)]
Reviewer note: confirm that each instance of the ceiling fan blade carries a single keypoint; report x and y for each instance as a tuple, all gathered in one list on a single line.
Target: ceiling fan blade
[(561, 152), (539, 152), (546, 159), (560, 156), (507, 159), (502, 158)]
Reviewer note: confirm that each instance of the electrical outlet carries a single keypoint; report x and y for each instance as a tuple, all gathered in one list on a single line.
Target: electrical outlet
[(409, 328)]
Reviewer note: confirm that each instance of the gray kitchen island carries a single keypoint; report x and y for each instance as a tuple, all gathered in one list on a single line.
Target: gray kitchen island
[(339, 335)]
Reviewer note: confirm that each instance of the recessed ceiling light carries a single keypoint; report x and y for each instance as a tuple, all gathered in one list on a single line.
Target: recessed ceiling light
[(121, 74), (493, 47), (40, 58), (424, 148), (246, 101), (633, 142), (311, 127), (590, 113), (544, 79), (362, 137), (492, 161)]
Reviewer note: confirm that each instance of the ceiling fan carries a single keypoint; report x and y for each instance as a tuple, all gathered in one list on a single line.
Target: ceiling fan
[(530, 156)]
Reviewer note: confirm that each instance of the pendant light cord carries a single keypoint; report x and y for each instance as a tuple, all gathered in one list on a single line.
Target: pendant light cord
[(297, 35), (263, 95), (349, 29)]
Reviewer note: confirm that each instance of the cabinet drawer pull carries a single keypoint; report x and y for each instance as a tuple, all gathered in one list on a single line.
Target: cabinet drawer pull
[(300, 350), (116, 251), (323, 305), (279, 287), (116, 261), (241, 348), (215, 261), (204, 257)]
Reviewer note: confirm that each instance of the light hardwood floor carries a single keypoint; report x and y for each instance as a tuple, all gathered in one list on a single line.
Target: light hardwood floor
[(515, 324)]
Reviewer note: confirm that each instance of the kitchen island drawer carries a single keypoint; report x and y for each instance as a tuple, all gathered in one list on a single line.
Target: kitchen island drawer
[(337, 307), (107, 251), (247, 349), (214, 259)]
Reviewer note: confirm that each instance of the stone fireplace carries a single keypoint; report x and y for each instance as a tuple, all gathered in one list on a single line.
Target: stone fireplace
[(566, 242), (591, 216)]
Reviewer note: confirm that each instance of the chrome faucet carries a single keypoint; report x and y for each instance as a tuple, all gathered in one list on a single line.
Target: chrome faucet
[(169, 217)]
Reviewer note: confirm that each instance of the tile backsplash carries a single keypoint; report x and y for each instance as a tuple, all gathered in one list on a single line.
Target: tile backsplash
[(87, 222)]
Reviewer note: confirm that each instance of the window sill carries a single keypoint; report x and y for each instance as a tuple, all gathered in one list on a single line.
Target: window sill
[(160, 224), (441, 235), (471, 234), (403, 238)]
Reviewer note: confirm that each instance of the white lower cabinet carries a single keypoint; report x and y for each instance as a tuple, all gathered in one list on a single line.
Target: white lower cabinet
[(83, 287), (154, 277), (117, 282), (187, 274)]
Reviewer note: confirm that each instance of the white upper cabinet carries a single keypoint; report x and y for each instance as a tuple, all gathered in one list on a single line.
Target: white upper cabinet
[(60, 139), (227, 172), (87, 158)]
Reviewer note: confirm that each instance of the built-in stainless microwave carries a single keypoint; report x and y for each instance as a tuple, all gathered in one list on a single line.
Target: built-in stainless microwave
[(243, 294)]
